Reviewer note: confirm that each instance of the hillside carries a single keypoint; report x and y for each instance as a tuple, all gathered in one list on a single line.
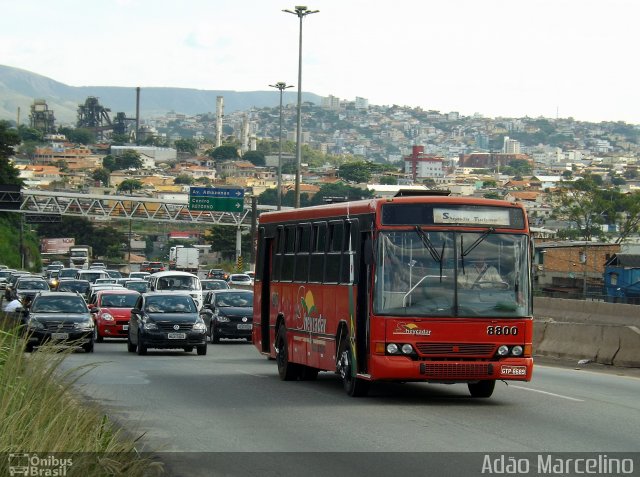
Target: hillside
[(19, 88)]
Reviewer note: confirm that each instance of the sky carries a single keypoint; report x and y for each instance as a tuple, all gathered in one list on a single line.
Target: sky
[(497, 58)]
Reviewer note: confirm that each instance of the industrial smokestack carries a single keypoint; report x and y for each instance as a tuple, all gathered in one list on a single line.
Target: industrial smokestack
[(245, 134), (219, 115), (137, 117)]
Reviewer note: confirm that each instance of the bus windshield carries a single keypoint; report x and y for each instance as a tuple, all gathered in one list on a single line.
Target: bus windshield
[(452, 274)]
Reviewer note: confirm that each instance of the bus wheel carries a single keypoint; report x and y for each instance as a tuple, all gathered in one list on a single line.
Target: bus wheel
[(482, 389), (353, 386), (288, 371)]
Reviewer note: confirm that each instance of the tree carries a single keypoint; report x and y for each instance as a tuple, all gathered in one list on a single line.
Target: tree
[(186, 145), (222, 153), (582, 203), (183, 179), (355, 172), (388, 180), (101, 174), (129, 185), (8, 139), (339, 190), (129, 159), (29, 134), (223, 239), (255, 157), (84, 232), (79, 135), (62, 165)]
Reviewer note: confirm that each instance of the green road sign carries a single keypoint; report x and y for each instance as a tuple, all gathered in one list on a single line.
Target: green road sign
[(218, 204)]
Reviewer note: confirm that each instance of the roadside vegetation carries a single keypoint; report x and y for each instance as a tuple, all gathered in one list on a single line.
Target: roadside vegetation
[(39, 414)]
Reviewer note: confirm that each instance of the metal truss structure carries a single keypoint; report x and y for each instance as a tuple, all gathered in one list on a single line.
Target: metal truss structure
[(118, 207)]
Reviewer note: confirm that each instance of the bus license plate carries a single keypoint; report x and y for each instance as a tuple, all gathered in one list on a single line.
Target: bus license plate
[(59, 336), (177, 336), (513, 370), (245, 326)]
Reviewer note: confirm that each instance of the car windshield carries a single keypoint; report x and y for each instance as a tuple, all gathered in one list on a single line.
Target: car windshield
[(137, 286), (240, 278), (178, 283), (119, 301), (54, 304), (81, 287), (32, 285), (67, 273), (170, 304), (449, 274), (240, 299), (92, 276), (214, 285)]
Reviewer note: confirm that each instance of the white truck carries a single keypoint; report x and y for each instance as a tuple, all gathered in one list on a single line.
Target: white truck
[(80, 256), (184, 259)]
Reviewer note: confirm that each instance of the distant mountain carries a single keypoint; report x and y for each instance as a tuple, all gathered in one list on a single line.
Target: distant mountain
[(19, 88)]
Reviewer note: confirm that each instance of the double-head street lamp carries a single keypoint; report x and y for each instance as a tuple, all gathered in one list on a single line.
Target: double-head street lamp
[(301, 12), (281, 85)]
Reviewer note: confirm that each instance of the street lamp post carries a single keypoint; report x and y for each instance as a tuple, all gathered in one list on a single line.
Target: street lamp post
[(281, 85), (301, 12)]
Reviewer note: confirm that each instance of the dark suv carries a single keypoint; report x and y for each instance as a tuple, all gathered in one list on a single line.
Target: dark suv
[(218, 274), (162, 320), (61, 317)]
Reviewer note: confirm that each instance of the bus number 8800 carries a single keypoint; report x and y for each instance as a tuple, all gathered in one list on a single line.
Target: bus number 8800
[(502, 330)]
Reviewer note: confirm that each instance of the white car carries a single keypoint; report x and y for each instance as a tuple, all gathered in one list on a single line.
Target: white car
[(240, 280)]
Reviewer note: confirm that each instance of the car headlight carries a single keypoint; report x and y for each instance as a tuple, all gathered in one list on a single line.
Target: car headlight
[(200, 326), (35, 324), (107, 317), (221, 318), (83, 325), (150, 325)]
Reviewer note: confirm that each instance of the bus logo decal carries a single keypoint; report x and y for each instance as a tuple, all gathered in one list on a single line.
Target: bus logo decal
[(403, 328), (311, 318)]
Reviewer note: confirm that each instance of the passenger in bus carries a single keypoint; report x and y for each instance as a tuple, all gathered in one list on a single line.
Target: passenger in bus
[(480, 274)]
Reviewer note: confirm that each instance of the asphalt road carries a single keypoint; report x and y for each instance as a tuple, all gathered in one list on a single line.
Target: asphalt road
[(232, 401)]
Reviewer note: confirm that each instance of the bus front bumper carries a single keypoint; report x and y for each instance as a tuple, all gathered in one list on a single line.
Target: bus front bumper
[(400, 368)]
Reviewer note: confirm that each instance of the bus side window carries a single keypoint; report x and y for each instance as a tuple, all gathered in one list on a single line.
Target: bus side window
[(319, 235), (288, 262), (278, 253), (336, 233), (303, 247), (349, 249)]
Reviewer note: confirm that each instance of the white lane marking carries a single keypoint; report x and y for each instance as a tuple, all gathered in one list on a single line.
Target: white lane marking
[(252, 374), (546, 392)]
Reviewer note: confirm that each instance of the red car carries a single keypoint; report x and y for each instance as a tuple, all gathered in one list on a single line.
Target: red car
[(111, 310)]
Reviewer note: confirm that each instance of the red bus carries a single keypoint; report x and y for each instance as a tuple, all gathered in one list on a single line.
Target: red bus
[(410, 288)]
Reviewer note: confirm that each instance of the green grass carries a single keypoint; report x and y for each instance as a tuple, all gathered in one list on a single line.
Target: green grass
[(39, 413)]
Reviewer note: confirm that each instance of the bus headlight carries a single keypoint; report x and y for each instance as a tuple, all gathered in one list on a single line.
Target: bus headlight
[(517, 350), (503, 350), (407, 348), (392, 348)]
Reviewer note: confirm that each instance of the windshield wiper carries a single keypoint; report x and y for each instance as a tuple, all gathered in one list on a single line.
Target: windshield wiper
[(477, 242), (437, 256)]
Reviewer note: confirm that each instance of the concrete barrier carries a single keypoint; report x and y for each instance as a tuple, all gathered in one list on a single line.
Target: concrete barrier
[(606, 333)]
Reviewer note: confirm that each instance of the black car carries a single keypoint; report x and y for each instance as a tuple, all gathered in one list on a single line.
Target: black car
[(61, 317), (228, 314), (218, 274), (81, 286), (27, 286), (161, 320)]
